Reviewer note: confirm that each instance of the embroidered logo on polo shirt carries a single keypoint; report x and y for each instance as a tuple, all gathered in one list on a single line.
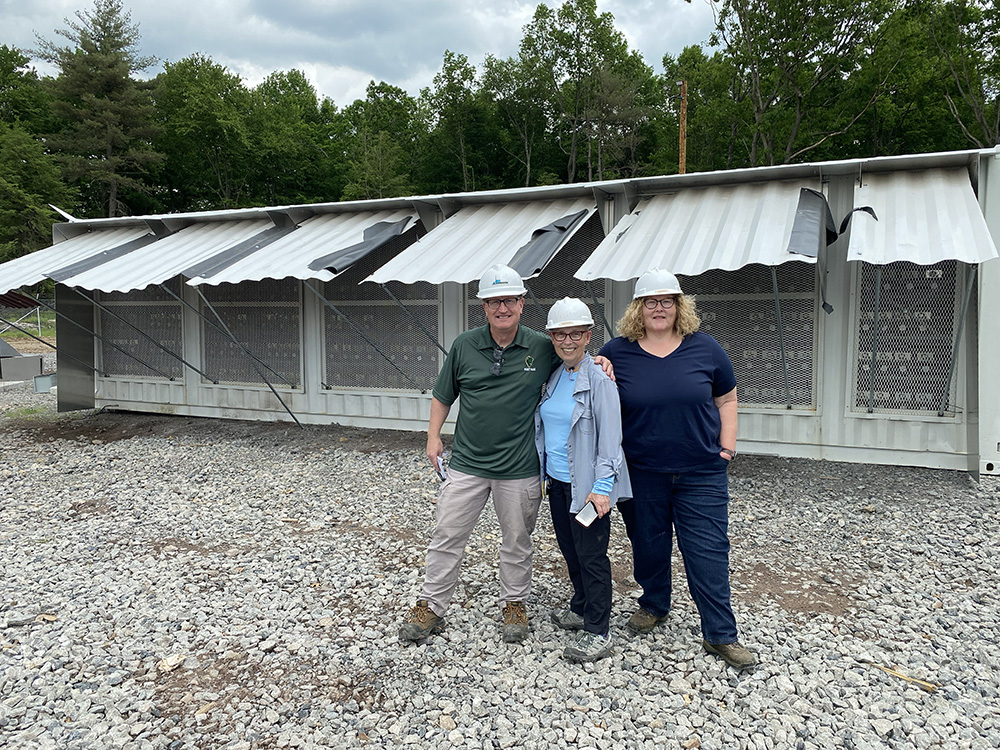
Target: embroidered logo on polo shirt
[(529, 364)]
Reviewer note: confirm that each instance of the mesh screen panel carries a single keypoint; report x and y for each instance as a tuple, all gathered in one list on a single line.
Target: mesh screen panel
[(265, 316), (155, 313), (351, 362), (737, 308), (556, 282), (918, 309)]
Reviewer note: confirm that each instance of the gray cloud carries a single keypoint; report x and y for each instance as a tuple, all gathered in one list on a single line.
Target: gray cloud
[(343, 44)]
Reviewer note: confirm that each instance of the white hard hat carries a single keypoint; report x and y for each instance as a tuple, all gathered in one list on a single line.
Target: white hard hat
[(501, 281), (568, 312), (656, 281)]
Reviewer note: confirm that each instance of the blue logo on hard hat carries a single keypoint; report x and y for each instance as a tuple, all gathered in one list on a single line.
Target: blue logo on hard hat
[(499, 281)]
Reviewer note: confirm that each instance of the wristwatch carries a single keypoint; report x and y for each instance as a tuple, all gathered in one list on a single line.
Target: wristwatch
[(731, 454)]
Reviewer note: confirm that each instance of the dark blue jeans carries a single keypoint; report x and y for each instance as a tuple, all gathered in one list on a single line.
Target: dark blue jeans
[(586, 551), (695, 505)]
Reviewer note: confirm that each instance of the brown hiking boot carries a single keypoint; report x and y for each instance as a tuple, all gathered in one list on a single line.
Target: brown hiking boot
[(420, 622), (735, 654), (515, 622), (642, 621)]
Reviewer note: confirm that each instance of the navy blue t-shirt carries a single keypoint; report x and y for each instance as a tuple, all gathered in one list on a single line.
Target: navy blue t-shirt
[(669, 419)]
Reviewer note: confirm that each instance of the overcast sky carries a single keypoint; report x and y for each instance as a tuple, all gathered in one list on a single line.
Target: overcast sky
[(341, 45)]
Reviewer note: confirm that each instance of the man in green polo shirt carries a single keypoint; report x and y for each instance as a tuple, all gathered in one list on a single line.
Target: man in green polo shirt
[(498, 369)]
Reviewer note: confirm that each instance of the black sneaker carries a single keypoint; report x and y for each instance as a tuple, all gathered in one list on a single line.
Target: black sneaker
[(589, 647), (567, 619), (420, 622)]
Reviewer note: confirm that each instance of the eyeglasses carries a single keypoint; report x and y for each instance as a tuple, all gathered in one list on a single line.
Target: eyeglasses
[(562, 335), (498, 356), (650, 304), (508, 302)]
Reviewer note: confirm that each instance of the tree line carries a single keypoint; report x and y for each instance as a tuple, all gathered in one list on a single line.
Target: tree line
[(779, 81)]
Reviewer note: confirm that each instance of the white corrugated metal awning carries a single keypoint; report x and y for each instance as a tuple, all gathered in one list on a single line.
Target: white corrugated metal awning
[(698, 229), (462, 247), (923, 217), (166, 258), (294, 255), (32, 268)]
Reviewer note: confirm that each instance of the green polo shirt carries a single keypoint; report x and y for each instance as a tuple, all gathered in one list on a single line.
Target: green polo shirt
[(495, 432)]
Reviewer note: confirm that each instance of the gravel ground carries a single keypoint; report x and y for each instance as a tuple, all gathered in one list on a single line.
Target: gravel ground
[(181, 583)]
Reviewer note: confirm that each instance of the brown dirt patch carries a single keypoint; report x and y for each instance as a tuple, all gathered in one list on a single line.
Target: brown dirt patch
[(793, 590)]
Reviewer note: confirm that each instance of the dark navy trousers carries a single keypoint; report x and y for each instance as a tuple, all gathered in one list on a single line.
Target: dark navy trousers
[(695, 505)]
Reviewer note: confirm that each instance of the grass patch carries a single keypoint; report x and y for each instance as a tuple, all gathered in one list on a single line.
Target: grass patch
[(45, 320), (27, 411)]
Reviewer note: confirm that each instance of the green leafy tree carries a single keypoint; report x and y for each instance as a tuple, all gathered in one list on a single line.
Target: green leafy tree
[(107, 116), (29, 182), (383, 133), (517, 88), (292, 137), (795, 59), (587, 59), (23, 98), (966, 34), (204, 112)]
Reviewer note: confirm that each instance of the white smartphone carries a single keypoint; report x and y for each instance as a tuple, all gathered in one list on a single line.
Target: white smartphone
[(442, 472), (586, 516)]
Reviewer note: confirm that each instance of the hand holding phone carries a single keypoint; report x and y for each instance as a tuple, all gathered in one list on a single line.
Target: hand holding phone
[(587, 515)]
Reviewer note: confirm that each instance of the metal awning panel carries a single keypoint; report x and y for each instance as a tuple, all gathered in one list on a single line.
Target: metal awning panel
[(463, 246), (33, 268), (166, 258), (698, 229), (923, 217), (291, 255)]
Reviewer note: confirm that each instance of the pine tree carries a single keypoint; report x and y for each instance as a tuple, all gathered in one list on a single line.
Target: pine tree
[(104, 144)]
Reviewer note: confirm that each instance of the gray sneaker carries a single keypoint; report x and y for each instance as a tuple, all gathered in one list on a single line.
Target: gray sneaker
[(420, 622), (515, 622), (735, 654), (567, 619), (642, 621), (589, 647)]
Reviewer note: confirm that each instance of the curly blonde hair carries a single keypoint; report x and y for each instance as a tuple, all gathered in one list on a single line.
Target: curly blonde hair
[(687, 322)]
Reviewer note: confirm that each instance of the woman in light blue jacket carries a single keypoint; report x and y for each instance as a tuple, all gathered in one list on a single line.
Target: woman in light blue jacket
[(578, 435)]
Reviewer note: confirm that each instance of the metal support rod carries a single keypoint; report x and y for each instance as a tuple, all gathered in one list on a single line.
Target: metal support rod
[(64, 354), (26, 315), (534, 299), (103, 340), (246, 351), (600, 310), (146, 336), (875, 324), (781, 337), (362, 334), (416, 322), (217, 328), (958, 339)]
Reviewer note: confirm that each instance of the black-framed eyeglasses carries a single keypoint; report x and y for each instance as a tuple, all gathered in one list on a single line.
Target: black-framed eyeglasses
[(650, 304), (573, 335), (498, 363), (508, 302)]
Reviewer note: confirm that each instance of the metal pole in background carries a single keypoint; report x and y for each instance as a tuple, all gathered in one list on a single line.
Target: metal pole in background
[(682, 166), (958, 339)]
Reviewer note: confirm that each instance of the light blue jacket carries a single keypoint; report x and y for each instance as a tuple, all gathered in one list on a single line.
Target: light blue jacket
[(594, 447)]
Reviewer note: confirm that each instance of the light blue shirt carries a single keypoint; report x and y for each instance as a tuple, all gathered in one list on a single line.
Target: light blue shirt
[(593, 448)]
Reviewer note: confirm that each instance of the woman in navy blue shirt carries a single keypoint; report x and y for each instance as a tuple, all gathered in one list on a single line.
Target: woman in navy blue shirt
[(678, 397)]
